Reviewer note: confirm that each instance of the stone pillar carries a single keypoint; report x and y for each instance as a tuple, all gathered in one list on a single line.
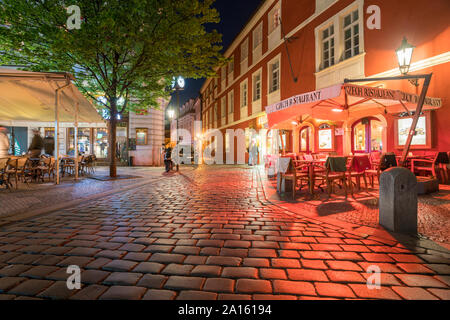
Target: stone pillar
[(398, 200)]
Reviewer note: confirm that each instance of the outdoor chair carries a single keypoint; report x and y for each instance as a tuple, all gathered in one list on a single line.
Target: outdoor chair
[(335, 172), (19, 168), (435, 166), (387, 160), (3, 175), (357, 169)]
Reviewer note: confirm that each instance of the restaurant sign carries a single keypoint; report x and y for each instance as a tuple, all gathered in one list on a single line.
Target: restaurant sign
[(313, 96), (389, 94)]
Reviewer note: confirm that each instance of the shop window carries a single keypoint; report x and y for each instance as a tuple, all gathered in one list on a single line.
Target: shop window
[(257, 36), (274, 18), (422, 137), (141, 136), (100, 142), (274, 76), (306, 142), (351, 35), (326, 137), (244, 94), (257, 86)]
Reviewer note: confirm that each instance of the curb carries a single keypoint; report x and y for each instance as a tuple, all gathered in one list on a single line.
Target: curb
[(348, 227), (47, 210)]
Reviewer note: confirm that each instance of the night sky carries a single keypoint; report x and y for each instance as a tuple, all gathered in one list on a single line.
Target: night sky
[(234, 14)]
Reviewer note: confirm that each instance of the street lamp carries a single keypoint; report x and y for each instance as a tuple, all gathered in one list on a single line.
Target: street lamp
[(404, 57)]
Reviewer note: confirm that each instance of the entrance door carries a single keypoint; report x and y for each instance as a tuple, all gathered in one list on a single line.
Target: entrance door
[(305, 140), (367, 136)]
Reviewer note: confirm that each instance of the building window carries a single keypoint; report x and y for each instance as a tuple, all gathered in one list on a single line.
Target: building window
[(223, 106), (274, 76), (257, 87), (244, 94), (351, 35), (328, 47), (274, 18), (244, 50), (141, 136), (257, 36), (216, 115)]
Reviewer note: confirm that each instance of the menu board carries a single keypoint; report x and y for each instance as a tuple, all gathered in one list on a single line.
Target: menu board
[(404, 124)]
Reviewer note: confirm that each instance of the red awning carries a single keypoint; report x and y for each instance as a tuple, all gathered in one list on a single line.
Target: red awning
[(342, 101)]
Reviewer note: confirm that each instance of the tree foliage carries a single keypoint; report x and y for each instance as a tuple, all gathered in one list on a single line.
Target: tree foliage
[(125, 50)]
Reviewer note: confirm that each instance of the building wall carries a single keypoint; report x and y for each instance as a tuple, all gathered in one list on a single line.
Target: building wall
[(153, 121), (424, 24)]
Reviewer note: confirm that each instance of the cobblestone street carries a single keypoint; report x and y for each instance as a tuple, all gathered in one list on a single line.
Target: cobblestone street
[(208, 233)]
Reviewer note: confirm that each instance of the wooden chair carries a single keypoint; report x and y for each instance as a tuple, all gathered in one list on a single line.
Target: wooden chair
[(19, 169), (357, 167), (335, 171), (434, 166), (3, 175)]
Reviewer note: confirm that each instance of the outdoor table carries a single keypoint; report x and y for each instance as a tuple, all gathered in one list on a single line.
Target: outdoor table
[(310, 164)]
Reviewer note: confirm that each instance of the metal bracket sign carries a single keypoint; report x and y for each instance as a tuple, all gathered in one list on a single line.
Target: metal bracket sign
[(419, 107)]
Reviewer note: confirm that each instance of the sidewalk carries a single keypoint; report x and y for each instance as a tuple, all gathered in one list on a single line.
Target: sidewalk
[(360, 213), (45, 197)]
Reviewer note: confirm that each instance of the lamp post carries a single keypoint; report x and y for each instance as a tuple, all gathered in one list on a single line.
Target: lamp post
[(404, 57), (177, 85)]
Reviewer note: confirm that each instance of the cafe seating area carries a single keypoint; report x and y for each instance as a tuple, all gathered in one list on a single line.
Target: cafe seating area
[(327, 172), (15, 170)]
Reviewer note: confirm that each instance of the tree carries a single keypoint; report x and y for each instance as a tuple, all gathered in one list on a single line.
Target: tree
[(126, 51)]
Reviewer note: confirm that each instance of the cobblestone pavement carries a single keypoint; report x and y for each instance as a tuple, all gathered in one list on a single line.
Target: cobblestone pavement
[(208, 233), (362, 208), (37, 195)]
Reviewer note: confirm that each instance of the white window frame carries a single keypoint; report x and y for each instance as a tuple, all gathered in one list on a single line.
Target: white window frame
[(223, 78), (254, 82), (230, 71), (230, 106), (273, 18), (351, 26), (270, 73), (244, 94)]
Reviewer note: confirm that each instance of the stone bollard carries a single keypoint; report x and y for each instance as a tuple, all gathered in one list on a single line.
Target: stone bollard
[(398, 200)]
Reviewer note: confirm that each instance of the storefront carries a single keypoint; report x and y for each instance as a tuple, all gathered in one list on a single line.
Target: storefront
[(351, 119)]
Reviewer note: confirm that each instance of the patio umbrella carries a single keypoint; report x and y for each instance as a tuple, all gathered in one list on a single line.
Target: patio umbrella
[(342, 101)]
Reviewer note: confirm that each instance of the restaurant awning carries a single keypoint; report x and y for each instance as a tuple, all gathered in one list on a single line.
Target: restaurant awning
[(30, 96), (342, 101)]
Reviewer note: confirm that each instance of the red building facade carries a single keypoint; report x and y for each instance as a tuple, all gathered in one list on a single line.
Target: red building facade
[(290, 47)]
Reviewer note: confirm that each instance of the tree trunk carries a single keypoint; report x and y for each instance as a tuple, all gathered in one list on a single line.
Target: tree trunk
[(112, 145)]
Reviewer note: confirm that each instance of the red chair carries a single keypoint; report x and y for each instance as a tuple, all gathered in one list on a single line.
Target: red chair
[(357, 169)]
